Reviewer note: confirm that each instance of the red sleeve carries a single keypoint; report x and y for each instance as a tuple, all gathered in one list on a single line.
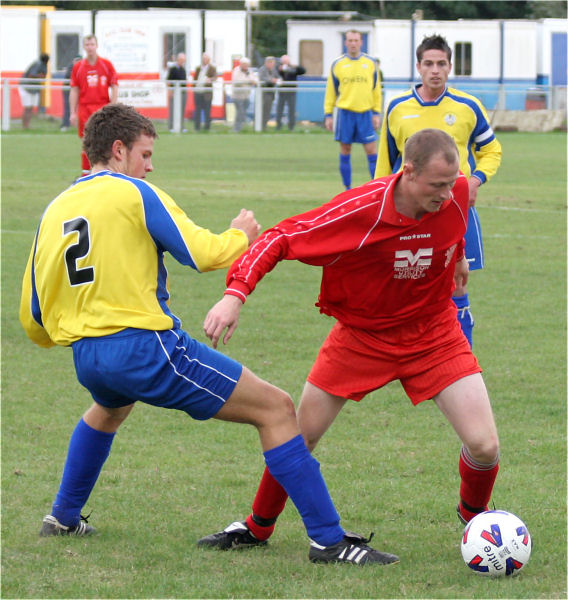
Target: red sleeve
[(461, 193), (74, 80), (112, 75), (317, 237)]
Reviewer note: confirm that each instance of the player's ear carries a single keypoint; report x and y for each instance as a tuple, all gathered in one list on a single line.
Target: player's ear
[(118, 150), (408, 170)]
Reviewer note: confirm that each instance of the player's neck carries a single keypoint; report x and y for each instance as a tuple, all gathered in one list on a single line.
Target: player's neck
[(92, 59), (403, 202), (428, 94)]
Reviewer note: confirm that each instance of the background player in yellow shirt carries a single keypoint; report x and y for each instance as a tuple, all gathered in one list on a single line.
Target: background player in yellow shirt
[(431, 104), (96, 281), (354, 87)]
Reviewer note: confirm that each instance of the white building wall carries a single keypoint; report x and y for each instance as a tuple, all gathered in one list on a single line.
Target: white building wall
[(225, 37), (132, 40), (328, 32), (546, 28), (19, 38), (521, 50), (392, 48)]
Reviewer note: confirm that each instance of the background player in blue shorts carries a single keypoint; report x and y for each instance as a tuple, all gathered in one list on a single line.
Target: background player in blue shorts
[(96, 281), (433, 104), (354, 87)]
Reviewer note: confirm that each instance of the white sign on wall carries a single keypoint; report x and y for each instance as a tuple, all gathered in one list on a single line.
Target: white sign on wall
[(146, 93), (127, 48)]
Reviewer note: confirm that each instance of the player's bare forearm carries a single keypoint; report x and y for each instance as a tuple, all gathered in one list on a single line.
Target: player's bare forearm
[(461, 273), (473, 184), (224, 315)]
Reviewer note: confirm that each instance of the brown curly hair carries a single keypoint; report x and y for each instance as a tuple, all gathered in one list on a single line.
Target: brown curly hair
[(110, 123)]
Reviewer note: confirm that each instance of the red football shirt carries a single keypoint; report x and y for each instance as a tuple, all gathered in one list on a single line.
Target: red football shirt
[(94, 81), (380, 268)]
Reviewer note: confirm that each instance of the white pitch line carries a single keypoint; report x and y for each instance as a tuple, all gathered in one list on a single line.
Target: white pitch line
[(519, 209)]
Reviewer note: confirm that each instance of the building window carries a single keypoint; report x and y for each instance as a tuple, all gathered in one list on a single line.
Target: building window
[(174, 43), (66, 49), (311, 56), (462, 58)]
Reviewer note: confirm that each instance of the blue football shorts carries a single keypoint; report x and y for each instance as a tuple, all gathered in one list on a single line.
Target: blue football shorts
[(474, 241), (354, 128), (168, 369)]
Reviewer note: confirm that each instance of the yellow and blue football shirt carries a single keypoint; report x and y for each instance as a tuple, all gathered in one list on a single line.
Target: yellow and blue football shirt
[(353, 84), (97, 263), (460, 115)]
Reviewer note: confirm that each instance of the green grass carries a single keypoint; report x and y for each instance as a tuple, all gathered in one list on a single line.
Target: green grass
[(391, 468)]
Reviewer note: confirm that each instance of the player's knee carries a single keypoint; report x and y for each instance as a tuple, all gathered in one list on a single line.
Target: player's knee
[(485, 451), (279, 408)]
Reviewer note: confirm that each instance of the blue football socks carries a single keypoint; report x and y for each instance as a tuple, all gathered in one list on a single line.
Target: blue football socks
[(465, 317), (298, 472), (88, 450), (372, 162), (345, 169)]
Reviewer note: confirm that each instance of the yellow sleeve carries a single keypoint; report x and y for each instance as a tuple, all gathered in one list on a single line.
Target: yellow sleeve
[(330, 95), (377, 94), (33, 329), (383, 167), (195, 245), (487, 159)]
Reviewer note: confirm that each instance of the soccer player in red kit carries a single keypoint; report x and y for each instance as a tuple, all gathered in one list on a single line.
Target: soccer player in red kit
[(94, 83), (389, 251)]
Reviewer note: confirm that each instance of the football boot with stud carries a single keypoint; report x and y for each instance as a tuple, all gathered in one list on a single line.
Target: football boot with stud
[(351, 549), (236, 536), (51, 526)]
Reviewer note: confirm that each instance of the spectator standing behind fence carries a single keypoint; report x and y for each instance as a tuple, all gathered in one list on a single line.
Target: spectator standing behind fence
[(205, 75), (288, 75), (66, 120), (29, 94), (177, 73), (268, 77), (242, 82), (94, 83)]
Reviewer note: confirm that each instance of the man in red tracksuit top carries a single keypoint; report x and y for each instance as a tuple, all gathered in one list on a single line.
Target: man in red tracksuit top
[(91, 81), (390, 252)]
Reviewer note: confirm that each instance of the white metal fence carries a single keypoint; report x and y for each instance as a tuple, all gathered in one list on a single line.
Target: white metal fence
[(153, 95)]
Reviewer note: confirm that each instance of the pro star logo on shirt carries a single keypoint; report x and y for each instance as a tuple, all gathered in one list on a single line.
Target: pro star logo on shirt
[(410, 265), (450, 118), (92, 79)]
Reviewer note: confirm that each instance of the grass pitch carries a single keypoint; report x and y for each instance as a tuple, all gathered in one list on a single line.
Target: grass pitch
[(391, 468)]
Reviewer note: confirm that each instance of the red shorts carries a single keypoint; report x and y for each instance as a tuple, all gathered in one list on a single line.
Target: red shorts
[(426, 357), (84, 111)]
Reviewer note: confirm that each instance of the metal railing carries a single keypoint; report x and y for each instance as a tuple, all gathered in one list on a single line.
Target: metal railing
[(309, 99)]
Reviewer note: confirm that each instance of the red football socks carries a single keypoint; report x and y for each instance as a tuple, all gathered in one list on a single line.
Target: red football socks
[(268, 503), (477, 482)]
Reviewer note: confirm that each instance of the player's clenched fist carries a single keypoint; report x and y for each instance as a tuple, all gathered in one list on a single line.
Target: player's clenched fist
[(246, 222)]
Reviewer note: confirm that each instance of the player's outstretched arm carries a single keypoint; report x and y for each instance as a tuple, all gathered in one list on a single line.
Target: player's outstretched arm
[(224, 315)]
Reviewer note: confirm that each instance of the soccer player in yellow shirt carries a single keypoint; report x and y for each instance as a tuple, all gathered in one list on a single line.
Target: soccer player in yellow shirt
[(96, 280), (432, 104), (354, 88)]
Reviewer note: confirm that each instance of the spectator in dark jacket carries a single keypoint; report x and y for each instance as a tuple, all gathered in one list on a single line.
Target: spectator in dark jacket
[(287, 91), (177, 73)]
